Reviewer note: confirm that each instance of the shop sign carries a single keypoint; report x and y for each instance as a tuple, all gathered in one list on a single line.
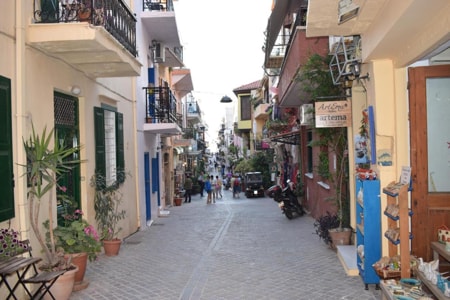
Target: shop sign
[(333, 114)]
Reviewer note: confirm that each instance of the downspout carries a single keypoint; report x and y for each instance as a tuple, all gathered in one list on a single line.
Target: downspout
[(136, 151), (20, 119)]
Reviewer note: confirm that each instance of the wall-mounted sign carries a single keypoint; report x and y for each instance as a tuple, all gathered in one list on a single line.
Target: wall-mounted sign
[(333, 113)]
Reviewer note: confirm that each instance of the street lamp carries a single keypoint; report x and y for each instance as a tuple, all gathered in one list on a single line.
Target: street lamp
[(226, 99)]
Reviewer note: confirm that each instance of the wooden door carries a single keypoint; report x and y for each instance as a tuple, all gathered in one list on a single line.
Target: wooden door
[(429, 96)]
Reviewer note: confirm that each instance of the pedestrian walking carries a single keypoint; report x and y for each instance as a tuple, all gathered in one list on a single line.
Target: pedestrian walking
[(233, 189), (201, 183), (236, 186), (187, 189), (218, 187), (213, 188), (208, 190)]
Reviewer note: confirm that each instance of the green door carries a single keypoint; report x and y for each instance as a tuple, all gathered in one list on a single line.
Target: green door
[(67, 135)]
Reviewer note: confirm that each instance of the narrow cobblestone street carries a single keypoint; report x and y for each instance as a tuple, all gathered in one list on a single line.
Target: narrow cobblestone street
[(234, 249)]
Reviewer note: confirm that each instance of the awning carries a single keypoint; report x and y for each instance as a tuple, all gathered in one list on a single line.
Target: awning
[(291, 138)]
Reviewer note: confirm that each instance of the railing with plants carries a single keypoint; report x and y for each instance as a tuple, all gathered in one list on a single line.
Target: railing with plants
[(113, 15), (161, 106)]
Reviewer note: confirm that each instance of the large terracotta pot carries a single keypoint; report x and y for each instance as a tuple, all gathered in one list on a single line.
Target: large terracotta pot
[(111, 247), (177, 201), (80, 260), (340, 237), (63, 286)]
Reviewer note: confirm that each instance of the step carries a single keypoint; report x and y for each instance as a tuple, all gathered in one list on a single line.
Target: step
[(347, 257)]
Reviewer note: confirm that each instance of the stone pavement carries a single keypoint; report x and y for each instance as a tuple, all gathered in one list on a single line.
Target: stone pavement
[(233, 249)]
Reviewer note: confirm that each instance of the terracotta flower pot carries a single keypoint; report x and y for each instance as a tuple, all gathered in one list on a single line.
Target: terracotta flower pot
[(80, 260), (340, 237), (63, 286), (177, 201), (112, 247)]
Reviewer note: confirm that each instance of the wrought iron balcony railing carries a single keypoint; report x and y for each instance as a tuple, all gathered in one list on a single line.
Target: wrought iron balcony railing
[(113, 15), (157, 5), (161, 106)]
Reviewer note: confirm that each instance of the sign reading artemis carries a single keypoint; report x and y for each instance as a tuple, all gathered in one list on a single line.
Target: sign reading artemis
[(333, 114)]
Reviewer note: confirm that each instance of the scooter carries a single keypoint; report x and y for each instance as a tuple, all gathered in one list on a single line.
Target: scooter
[(286, 201)]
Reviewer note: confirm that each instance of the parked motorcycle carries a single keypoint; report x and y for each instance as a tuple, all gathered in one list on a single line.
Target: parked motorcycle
[(286, 201)]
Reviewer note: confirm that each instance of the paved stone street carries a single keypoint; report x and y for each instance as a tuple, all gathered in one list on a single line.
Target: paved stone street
[(233, 249)]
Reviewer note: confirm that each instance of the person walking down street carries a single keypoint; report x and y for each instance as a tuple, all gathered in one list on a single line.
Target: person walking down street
[(236, 186), (187, 189), (201, 183), (213, 188), (232, 180), (208, 190), (218, 187)]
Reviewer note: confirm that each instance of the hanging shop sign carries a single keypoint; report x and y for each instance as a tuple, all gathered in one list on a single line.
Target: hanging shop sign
[(333, 114)]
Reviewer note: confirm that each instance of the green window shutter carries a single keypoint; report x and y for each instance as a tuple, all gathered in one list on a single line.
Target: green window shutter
[(120, 156), (99, 127), (6, 158)]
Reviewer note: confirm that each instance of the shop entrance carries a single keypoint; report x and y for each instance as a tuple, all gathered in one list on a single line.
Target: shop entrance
[(429, 96)]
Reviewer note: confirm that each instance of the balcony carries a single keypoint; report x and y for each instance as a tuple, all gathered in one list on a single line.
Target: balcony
[(193, 111), (260, 145), (158, 20), (161, 115), (96, 37), (261, 111)]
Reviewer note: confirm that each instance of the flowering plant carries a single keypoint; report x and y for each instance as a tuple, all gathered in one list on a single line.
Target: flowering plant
[(77, 236), (10, 244)]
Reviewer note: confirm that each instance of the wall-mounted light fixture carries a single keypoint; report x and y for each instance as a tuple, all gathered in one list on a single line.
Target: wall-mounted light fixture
[(347, 11), (226, 99), (355, 70), (75, 89)]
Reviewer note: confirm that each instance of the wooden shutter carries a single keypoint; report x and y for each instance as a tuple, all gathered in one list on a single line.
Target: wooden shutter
[(6, 157), (120, 155), (99, 127)]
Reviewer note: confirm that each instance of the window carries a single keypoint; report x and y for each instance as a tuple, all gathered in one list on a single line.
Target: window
[(309, 151), (109, 148), (246, 108), (6, 157)]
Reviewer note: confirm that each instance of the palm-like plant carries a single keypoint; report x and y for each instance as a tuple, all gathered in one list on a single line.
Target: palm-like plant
[(44, 167)]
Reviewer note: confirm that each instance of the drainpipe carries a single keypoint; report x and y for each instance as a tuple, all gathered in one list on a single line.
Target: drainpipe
[(136, 152), (20, 120)]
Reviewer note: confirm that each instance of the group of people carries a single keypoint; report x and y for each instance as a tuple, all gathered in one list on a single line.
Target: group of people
[(209, 184), (212, 185)]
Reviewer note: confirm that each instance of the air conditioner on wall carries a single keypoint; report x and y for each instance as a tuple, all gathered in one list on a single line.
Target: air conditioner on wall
[(306, 114), (159, 53)]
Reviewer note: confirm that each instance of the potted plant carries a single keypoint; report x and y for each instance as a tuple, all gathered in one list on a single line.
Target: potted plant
[(330, 141), (43, 169), (108, 213), (10, 245), (80, 242)]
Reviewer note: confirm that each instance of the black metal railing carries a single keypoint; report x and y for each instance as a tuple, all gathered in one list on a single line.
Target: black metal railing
[(113, 15), (161, 106), (157, 5)]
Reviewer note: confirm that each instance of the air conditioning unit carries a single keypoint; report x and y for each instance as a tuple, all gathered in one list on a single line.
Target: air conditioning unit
[(159, 53), (307, 114)]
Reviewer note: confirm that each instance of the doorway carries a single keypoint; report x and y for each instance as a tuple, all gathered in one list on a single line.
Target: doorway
[(429, 105), (67, 135)]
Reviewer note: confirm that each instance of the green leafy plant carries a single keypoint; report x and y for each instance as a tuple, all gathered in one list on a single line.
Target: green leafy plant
[(77, 236), (107, 201), (318, 84), (43, 169)]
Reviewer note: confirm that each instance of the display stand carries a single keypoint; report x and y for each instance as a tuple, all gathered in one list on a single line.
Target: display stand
[(438, 250), (399, 246), (368, 229)]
